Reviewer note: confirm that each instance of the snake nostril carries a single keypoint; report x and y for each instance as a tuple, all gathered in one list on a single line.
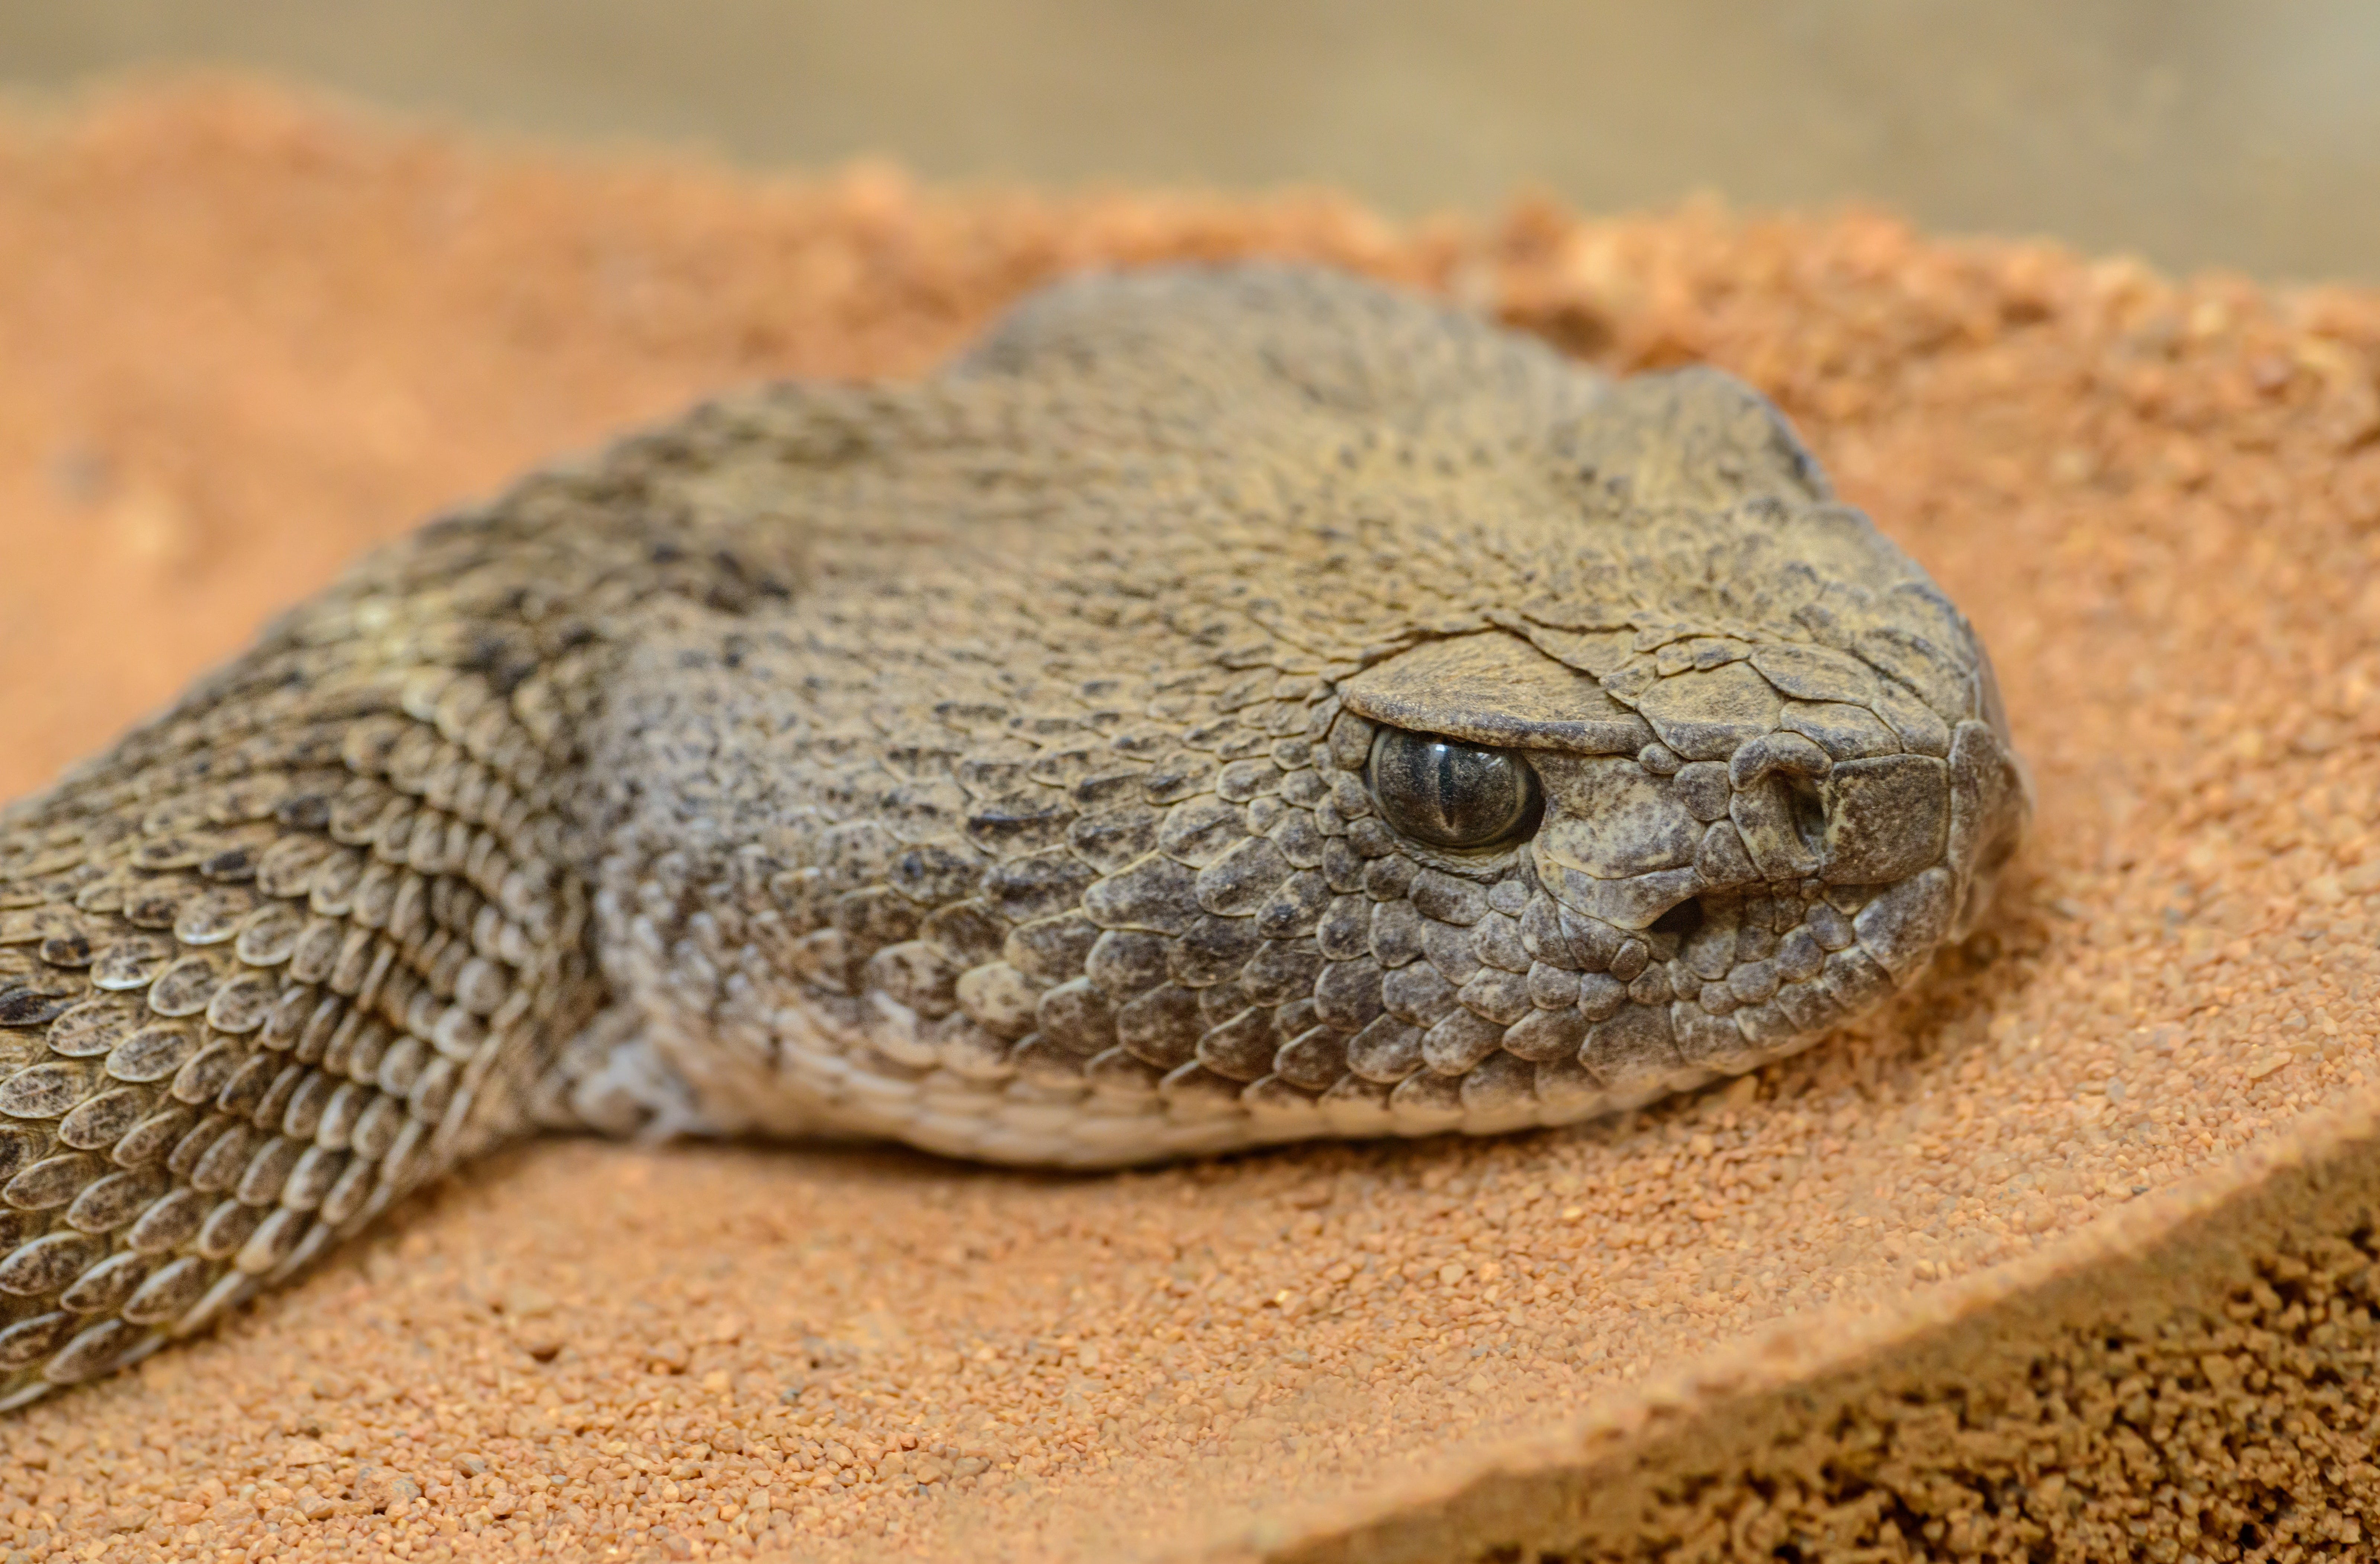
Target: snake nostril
[(1808, 813), (1681, 920)]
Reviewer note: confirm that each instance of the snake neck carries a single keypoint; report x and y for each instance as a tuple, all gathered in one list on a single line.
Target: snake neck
[(313, 937)]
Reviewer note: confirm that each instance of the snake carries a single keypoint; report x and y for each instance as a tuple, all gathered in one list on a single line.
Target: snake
[(1226, 706)]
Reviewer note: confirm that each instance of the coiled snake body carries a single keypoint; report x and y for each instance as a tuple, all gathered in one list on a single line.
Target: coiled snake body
[(1225, 707)]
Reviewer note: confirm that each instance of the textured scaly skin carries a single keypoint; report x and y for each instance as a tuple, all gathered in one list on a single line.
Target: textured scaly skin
[(981, 765)]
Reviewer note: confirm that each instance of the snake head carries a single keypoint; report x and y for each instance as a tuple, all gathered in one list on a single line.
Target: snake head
[(1766, 776), (1238, 705)]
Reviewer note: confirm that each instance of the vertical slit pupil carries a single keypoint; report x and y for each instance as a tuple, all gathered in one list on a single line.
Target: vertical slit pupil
[(1447, 796)]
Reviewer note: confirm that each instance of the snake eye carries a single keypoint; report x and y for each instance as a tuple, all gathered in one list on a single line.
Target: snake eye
[(1449, 794)]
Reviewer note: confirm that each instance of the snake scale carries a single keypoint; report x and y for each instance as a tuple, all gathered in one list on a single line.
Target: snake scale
[(1227, 707)]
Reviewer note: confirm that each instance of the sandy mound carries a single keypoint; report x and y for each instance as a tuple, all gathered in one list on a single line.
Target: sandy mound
[(2076, 1241)]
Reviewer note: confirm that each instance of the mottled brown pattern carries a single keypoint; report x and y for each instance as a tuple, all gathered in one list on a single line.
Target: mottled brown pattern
[(307, 939), (983, 765)]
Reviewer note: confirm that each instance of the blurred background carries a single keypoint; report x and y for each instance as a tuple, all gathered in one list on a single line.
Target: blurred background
[(2195, 132)]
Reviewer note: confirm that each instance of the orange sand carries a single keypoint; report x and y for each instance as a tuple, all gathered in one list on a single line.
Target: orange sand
[(242, 338)]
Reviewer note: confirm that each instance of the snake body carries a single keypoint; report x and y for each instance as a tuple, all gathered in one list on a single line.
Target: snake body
[(1226, 706)]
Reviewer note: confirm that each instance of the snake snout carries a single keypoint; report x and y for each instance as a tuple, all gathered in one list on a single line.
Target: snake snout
[(1633, 847), (1802, 815)]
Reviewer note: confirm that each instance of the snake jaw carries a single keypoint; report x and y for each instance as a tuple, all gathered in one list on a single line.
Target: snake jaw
[(1777, 892)]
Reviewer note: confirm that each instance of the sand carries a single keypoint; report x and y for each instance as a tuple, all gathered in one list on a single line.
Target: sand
[(2069, 1251)]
